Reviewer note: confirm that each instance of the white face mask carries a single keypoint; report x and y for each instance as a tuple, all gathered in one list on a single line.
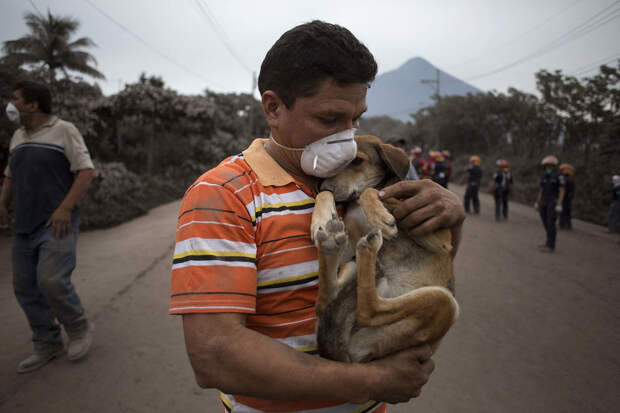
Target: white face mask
[(12, 113), (327, 156)]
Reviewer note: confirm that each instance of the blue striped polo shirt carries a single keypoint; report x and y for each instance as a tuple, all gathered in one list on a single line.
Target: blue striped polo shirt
[(42, 167)]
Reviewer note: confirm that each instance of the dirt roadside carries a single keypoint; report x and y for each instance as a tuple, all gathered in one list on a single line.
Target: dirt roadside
[(537, 332)]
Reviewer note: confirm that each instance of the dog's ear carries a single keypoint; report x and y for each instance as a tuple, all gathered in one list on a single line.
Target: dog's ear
[(395, 158)]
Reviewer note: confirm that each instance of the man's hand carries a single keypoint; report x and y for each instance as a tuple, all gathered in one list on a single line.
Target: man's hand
[(558, 208), (427, 206), (401, 375), (60, 222), (4, 217)]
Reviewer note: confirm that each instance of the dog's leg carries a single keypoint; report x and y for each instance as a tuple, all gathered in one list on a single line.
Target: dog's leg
[(432, 310), (324, 211), (330, 239), (377, 214)]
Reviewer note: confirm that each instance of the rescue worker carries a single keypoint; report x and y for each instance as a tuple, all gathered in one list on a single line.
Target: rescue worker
[(549, 199), (438, 168), (447, 156), (501, 187), (567, 171), (416, 159), (473, 184)]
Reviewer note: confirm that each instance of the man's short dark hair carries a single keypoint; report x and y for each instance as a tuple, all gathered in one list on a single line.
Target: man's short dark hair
[(35, 92), (310, 53)]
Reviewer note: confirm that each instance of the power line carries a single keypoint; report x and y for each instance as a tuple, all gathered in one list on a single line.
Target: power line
[(594, 65), (518, 37), (593, 23), (149, 46), (206, 12)]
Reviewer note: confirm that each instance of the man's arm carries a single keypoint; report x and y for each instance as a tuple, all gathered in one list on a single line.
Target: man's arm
[(427, 207), (61, 218), (5, 201), (234, 359)]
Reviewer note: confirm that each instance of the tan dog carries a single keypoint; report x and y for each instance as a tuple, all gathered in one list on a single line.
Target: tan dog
[(391, 292)]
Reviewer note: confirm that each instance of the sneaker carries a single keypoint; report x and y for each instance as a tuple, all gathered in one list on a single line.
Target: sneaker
[(546, 249), (39, 359), (80, 344)]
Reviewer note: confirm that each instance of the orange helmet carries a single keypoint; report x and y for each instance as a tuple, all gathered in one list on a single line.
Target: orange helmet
[(435, 156), (474, 159), (446, 153), (550, 160), (567, 169)]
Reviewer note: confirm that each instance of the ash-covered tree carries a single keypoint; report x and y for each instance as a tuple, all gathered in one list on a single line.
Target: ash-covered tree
[(49, 44)]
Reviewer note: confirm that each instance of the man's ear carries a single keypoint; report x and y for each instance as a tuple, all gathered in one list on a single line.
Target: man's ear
[(395, 158), (272, 107)]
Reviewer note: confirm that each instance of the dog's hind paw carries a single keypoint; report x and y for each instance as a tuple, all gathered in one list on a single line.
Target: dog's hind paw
[(332, 237), (372, 241)]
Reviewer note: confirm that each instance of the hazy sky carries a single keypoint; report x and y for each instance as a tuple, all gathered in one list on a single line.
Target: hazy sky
[(466, 38)]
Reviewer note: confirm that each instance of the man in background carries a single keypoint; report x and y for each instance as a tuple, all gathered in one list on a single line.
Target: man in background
[(49, 171), (549, 200), (501, 188), (473, 184)]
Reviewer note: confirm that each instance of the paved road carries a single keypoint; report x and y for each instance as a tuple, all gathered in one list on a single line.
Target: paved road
[(537, 333)]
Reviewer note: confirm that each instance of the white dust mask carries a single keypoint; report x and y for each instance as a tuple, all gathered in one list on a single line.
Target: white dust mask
[(12, 112), (327, 156)]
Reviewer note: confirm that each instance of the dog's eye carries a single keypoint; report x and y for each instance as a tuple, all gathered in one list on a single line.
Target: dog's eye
[(357, 161)]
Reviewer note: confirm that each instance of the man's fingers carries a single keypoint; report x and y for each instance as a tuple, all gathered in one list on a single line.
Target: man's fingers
[(425, 228), (423, 353), (401, 189), (418, 217)]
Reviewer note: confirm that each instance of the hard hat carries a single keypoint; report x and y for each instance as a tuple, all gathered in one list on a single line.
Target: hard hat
[(475, 159), (416, 151), (616, 180), (567, 169), (504, 163), (446, 153), (550, 160), (435, 156)]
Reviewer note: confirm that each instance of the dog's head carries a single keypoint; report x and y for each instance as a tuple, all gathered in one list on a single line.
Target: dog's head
[(376, 163)]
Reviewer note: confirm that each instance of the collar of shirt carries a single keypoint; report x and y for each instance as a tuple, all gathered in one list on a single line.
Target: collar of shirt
[(50, 122), (268, 171)]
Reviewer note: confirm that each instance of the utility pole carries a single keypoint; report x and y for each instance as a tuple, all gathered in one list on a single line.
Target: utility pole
[(436, 81)]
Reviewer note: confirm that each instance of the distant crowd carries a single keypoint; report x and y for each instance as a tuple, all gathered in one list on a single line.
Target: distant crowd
[(553, 202)]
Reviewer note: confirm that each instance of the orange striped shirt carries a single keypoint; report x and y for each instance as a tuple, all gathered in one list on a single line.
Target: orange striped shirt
[(243, 245)]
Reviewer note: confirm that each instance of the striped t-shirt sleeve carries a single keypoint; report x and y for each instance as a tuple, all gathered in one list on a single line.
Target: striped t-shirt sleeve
[(214, 264)]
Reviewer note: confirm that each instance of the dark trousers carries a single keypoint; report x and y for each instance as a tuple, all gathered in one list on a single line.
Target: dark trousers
[(565, 216), (501, 203), (548, 217), (471, 195)]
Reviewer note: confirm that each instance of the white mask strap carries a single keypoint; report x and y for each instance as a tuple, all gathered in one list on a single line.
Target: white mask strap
[(284, 147)]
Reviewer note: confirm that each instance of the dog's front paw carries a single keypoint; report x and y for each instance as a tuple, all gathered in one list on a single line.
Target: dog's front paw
[(377, 214), (332, 237), (372, 241)]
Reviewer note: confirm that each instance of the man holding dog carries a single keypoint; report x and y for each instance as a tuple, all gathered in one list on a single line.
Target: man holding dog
[(244, 275)]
